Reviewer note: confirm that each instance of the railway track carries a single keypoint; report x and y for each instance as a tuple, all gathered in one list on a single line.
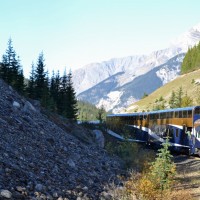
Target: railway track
[(188, 174)]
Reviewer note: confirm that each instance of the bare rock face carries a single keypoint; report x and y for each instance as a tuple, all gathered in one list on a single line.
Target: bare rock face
[(41, 160)]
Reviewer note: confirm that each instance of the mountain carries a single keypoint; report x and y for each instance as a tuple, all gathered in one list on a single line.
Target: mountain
[(118, 82)]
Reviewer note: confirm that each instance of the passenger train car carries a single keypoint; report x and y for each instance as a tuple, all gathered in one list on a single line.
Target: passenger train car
[(180, 125)]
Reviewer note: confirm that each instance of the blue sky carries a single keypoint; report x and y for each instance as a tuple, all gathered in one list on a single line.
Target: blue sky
[(73, 33)]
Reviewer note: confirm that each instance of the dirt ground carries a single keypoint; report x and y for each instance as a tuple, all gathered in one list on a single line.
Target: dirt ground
[(188, 175)]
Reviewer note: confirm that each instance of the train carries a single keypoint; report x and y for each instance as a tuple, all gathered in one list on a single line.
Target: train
[(180, 125)]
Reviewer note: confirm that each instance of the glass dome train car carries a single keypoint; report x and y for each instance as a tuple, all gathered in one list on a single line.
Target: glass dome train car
[(181, 125)]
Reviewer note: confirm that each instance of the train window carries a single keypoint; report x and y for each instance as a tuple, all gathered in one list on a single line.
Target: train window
[(163, 115), (180, 114), (197, 111), (185, 114), (145, 117), (189, 113), (170, 132), (169, 115), (176, 132), (176, 114)]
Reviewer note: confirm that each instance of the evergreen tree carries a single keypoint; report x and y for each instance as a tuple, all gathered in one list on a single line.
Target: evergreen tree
[(30, 90), (179, 95), (187, 101), (19, 85), (144, 95), (40, 78), (159, 104), (172, 100), (53, 95), (45, 100), (163, 169), (11, 70), (63, 103), (101, 114), (71, 105), (191, 61)]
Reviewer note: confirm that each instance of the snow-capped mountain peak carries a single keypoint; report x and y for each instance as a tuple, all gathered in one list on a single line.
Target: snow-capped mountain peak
[(187, 39), (99, 83)]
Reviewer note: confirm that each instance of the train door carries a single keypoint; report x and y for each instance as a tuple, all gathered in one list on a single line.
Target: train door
[(177, 135), (196, 130)]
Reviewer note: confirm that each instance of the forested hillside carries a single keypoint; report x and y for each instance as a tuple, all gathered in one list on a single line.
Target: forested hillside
[(56, 93), (89, 112), (182, 92), (191, 62)]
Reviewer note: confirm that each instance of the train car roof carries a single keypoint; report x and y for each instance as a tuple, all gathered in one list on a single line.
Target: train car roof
[(152, 112), (172, 110), (127, 114)]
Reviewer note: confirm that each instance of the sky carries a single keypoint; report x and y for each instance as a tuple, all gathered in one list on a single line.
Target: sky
[(73, 33)]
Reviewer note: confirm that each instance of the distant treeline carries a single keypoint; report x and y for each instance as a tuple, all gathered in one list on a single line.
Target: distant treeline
[(56, 93), (191, 61)]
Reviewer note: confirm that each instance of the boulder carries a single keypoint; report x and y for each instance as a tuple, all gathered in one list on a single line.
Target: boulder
[(16, 104), (99, 137)]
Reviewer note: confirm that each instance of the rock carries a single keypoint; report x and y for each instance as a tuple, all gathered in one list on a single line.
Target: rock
[(6, 194), (40, 158), (20, 188), (85, 188), (39, 187), (106, 196), (71, 163), (16, 105), (99, 138), (28, 107)]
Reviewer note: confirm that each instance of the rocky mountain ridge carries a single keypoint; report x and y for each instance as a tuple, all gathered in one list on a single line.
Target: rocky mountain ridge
[(41, 160), (127, 70)]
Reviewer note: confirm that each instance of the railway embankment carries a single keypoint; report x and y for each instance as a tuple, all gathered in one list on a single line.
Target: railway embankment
[(187, 179)]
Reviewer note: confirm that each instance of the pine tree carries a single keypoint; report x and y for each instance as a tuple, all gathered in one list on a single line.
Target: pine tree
[(63, 104), (179, 95), (187, 101), (159, 104), (11, 70), (172, 100), (40, 78), (71, 105), (45, 100), (191, 61), (101, 114), (30, 90), (163, 169), (19, 85), (53, 94)]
